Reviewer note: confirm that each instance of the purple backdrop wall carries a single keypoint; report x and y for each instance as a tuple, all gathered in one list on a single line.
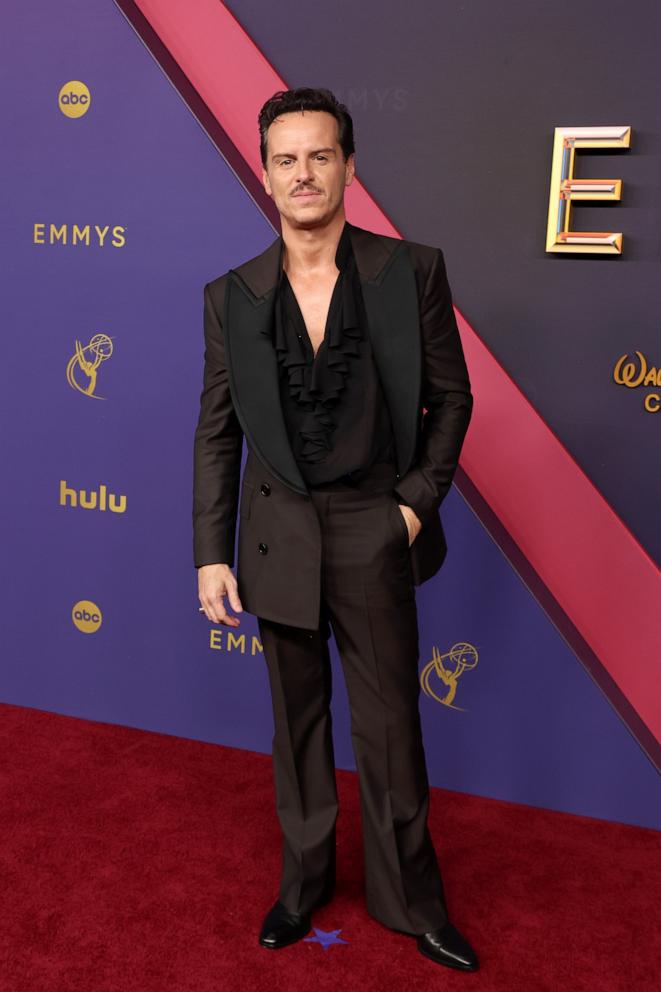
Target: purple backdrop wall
[(528, 723)]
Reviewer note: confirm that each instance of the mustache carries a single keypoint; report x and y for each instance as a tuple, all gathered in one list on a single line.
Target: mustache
[(305, 189)]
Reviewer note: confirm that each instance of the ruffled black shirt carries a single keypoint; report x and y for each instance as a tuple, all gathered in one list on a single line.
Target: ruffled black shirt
[(334, 407)]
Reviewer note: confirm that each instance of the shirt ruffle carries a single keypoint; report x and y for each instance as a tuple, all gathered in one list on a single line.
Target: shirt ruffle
[(316, 386)]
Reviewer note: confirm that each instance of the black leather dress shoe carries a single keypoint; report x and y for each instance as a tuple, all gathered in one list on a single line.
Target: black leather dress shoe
[(281, 927), (447, 946)]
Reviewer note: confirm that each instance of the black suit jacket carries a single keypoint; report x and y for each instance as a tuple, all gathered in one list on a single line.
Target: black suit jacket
[(420, 360)]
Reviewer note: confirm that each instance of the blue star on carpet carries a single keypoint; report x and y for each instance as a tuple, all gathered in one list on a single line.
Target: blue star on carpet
[(326, 938)]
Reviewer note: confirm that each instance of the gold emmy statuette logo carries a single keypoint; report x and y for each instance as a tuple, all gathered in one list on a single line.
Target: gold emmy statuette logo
[(565, 188), (86, 615), (82, 366), (74, 99), (448, 668), (628, 374)]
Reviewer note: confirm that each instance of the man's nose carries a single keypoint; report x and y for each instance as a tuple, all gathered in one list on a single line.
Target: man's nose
[(303, 173)]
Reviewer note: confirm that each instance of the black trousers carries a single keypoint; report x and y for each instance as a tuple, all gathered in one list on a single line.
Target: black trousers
[(368, 599)]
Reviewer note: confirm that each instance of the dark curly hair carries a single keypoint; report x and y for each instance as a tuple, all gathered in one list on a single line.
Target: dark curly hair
[(305, 98)]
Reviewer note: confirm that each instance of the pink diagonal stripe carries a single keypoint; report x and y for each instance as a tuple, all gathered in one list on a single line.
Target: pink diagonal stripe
[(590, 562)]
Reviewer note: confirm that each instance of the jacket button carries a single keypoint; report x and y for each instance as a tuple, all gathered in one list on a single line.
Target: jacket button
[(262, 548), (265, 489)]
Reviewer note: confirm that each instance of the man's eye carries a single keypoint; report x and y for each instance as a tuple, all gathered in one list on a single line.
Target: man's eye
[(324, 158)]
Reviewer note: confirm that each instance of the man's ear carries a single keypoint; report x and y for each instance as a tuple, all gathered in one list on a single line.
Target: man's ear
[(265, 182), (350, 169)]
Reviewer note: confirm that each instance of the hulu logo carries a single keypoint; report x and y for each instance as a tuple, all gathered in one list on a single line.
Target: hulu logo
[(94, 500)]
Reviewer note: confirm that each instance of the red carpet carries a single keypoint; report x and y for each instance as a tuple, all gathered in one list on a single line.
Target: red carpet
[(139, 862)]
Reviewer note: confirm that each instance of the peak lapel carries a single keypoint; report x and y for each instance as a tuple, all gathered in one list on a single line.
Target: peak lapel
[(390, 296), (252, 363)]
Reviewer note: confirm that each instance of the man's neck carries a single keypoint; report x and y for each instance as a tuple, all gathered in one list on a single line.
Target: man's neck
[(311, 250)]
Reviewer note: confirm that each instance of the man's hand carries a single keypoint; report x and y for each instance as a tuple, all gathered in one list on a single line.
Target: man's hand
[(214, 582), (413, 523)]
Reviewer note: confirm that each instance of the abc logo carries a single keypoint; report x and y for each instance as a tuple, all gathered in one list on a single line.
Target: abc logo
[(74, 99), (86, 616)]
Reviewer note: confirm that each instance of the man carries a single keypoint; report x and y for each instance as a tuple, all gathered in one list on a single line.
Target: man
[(324, 351)]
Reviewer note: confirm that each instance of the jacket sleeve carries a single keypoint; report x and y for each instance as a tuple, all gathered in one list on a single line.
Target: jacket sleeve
[(218, 447), (446, 395)]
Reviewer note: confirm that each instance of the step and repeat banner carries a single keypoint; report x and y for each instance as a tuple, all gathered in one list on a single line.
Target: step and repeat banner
[(118, 209)]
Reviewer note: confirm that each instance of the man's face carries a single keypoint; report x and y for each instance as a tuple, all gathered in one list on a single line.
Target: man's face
[(305, 170)]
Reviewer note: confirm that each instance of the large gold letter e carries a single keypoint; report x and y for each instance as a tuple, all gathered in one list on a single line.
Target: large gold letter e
[(565, 188)]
